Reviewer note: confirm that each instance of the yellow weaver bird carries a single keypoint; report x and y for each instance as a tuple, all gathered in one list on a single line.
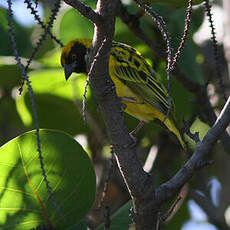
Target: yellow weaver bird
[(136, 83)]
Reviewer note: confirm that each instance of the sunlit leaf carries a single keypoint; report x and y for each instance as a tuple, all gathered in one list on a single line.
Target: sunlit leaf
[(53, 81), (200, 127), (73, 25), (10, 73), (52, 58), (54, 97), (24, 201)]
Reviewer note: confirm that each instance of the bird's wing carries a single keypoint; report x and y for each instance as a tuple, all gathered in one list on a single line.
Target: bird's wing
[(132, 69)]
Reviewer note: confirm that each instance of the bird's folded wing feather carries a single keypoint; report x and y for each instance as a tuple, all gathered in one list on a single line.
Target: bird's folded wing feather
[(135, 73)]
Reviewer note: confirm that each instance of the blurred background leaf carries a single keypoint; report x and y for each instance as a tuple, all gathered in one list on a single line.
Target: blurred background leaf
[(22, 36)]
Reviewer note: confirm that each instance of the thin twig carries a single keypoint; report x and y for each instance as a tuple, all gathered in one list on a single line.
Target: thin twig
[(176, 205), (33, 105), (93, 123), (134, 25), (47, 30), (162, 27), (185, 34), (42, 37), (106, 183), (107, 218), (84, 100), (215, 49), (40, 22)]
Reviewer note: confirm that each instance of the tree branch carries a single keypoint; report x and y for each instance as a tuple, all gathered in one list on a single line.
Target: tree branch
[(86, 11), (104, 90), (198, 159)]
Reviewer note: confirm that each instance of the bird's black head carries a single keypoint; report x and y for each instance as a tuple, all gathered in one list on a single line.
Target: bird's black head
[(73, 57)]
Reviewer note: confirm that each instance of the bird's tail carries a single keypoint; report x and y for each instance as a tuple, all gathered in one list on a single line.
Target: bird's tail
[(172, 127)]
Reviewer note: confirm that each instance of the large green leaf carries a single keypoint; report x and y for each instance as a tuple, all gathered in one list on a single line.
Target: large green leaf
[(24, 201)]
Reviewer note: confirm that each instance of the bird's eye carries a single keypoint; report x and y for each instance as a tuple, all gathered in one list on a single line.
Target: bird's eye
[(74, 57)]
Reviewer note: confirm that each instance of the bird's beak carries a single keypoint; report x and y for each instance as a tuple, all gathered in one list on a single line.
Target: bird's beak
[(68, 69)]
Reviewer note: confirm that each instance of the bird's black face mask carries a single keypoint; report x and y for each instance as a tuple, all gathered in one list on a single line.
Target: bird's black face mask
[(75, 62)]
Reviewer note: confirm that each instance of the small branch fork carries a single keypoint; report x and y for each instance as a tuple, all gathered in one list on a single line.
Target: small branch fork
[(147, 199)]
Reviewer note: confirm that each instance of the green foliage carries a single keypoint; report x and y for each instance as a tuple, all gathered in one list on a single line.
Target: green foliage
[(178, 219), (9, 117), (21, 34), (10, 72), (24, 200), (175, 3), (182, 104), (81, 226), (188, 62), (53, 92), (59, 104), (121, 219), (71, 26)]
